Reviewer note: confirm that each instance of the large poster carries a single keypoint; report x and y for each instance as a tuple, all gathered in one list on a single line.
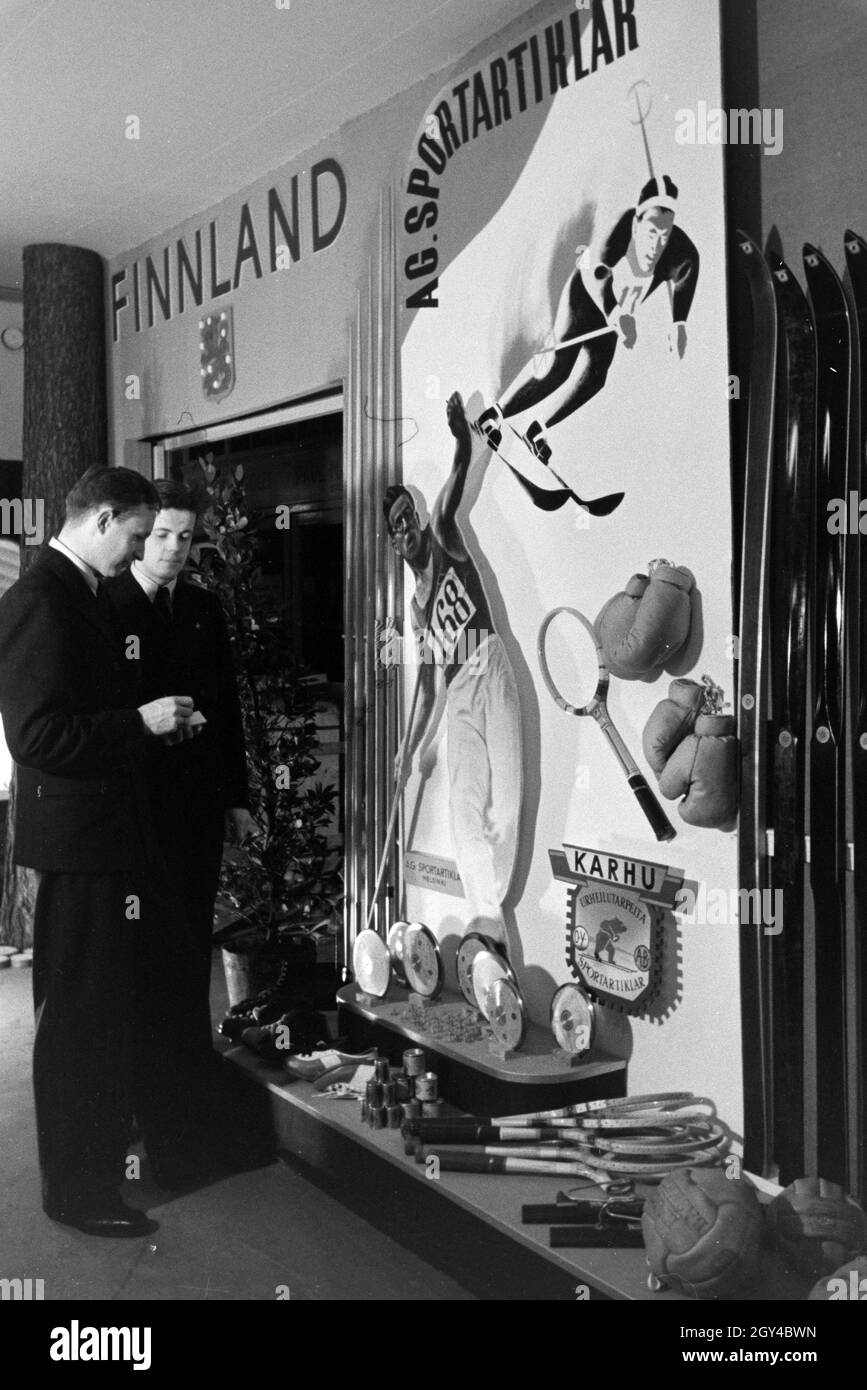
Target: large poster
[(566, 446)]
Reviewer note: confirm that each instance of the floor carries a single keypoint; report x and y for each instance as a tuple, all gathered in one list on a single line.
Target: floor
[(257, 1236)]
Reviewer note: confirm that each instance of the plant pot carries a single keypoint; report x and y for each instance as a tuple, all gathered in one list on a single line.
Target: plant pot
[(238, 969)]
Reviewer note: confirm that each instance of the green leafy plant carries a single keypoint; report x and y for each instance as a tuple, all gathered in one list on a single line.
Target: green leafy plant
[(284, 878)]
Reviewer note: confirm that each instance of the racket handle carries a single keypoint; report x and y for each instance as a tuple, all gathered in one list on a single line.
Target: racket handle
[(659, 822)]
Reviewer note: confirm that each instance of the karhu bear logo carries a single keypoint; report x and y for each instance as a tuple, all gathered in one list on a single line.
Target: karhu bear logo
[(606, 937), (609, 942)]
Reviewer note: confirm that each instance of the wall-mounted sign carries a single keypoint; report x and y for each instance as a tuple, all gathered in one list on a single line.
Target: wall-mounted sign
[(271, 234), (616, 908)]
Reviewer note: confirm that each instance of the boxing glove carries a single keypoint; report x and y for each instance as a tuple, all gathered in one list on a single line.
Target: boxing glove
[(643, 627), (703, 769), (671, 721)]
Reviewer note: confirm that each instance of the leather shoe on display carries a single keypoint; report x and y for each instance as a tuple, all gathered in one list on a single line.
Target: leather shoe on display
[(311, 1066), (113, 1218)]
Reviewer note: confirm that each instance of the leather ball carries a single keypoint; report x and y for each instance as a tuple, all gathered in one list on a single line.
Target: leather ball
[(817, 1226), (704, 1234)]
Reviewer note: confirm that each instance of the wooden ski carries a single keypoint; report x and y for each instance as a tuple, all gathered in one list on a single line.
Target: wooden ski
[(856, 741), (753, 866), (825, 947), (793, 497)]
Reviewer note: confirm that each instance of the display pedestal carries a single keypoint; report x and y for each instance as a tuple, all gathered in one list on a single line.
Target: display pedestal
[(472, 1075)]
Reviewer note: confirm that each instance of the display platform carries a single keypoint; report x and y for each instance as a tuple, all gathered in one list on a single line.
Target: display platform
[(468, 1224), (472, 1075)]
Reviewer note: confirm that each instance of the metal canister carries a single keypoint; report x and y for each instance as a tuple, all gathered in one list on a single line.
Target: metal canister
[(412, 1110), (389, 1093), (426, 1087), (373, 1092), (395, 1116), (432, 1109), (381, 1069), (403, 1087), (380, 1117), (365, 1112), (413, 1061)]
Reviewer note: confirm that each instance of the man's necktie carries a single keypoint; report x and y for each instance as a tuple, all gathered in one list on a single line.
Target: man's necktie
[(163, 603)]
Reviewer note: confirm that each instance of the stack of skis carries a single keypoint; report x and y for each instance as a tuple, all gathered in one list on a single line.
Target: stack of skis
[(802, 697)]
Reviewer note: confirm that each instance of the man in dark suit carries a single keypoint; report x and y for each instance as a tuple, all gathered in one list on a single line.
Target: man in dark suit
[(198, 792), (78, 738)]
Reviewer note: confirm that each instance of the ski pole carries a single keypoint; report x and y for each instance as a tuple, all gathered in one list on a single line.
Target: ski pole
[(573, 342), (642, 117), (395, 802)]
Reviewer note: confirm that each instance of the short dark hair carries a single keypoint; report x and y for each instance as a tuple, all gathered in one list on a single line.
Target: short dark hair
[(122, 489), (391, 496), (176, 496)]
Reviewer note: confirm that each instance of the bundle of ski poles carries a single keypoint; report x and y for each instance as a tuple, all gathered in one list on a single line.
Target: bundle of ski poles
[(612, 1143)]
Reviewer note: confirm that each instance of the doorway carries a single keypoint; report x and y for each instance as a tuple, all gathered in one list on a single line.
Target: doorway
[(292, 481)]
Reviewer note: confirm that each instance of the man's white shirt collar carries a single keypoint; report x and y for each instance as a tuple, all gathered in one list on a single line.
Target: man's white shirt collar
[(90, 575), (149, 585)]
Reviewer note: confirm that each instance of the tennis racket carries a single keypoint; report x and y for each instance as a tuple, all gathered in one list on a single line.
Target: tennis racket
[(594, 705)]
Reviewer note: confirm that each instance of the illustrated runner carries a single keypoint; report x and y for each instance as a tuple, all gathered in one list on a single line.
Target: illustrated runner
[(598, 308), (454, 631)]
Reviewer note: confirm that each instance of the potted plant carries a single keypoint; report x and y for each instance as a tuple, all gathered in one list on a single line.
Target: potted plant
[(284, 884)]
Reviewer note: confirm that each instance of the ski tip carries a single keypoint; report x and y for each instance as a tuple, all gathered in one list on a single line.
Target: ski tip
[(604, 506), (814, 258), (745, 242), (853, 241)]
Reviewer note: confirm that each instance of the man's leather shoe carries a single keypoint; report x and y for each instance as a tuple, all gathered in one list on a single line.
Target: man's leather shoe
[(110, 1219)]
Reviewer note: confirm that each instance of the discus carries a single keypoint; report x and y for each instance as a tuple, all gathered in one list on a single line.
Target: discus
[(395, 942), (507, 1019), (583, 668), (573, 1020), (422, 962), (371, 963), (488, 967), (469, 948)]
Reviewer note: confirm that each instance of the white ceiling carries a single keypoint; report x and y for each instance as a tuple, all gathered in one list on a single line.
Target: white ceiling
[(225, 90)]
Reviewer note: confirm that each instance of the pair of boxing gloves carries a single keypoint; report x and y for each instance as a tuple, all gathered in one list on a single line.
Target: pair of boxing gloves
[(694, 754)]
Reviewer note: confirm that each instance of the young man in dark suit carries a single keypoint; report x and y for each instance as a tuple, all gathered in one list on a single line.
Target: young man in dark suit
[(198, 792), (78, 736)]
